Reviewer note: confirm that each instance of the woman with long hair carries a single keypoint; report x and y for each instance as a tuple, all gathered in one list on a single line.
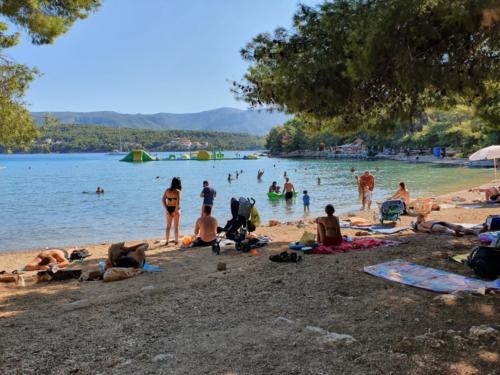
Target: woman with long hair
[(172, 202)]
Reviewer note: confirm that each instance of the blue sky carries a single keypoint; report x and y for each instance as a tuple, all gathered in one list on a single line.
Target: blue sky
[(148, 56)]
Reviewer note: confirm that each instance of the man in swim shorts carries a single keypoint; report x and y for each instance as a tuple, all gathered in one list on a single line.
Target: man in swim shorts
[(47, 259), (289, 189), (205, 228), (433, 226)]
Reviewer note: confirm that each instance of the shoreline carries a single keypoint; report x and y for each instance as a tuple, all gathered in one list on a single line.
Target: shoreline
[(441, 198), (341, 213), (420, 159)]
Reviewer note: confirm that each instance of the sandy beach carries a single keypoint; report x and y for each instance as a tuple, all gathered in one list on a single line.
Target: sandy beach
[(258, 317)]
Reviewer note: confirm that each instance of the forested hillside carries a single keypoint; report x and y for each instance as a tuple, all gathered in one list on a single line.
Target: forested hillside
[(92, 138)]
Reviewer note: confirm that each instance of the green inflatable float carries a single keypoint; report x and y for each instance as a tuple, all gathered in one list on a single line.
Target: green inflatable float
[(274, 196)]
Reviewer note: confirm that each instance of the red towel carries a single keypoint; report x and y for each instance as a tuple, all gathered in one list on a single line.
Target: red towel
[(356, 244)]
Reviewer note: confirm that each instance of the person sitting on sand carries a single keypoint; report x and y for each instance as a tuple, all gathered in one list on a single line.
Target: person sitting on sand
[(273, 187), (205, 229), (46, 259), (128, 257), (491, 194), (433, 226), (328, 229), (402, 194)]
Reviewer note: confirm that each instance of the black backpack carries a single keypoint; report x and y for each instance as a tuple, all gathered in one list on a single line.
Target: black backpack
[(485, 261)]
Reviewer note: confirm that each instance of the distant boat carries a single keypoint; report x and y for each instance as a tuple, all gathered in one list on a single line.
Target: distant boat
[(120, 151)]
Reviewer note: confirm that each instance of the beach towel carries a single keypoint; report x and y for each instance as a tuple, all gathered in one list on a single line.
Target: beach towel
[(355, 244), (147, 267), (428, 278), (489, 237), (380, 229)]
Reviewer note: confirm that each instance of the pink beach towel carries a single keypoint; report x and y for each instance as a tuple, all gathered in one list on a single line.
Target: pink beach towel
[(356, 244)]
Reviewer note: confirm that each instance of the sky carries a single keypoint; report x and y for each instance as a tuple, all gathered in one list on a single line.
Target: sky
[(149, 56)]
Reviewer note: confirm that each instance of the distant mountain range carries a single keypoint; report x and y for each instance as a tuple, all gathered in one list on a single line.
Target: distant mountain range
[(221, 119)]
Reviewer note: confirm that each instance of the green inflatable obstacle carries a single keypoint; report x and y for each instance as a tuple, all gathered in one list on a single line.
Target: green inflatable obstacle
[(138, 156), (274, 196)]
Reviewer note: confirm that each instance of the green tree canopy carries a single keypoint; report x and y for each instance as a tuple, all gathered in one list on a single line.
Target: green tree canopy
[(374, 64), (43, 21)]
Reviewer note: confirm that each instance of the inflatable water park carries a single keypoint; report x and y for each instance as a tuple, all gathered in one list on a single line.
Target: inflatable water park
[(140, 156)]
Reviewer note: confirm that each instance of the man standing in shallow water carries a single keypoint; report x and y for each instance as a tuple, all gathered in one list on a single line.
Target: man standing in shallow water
[(366, 185), (208, 194), (289, 189)]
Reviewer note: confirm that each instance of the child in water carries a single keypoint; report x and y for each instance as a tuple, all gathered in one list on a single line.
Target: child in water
[(305, 200)]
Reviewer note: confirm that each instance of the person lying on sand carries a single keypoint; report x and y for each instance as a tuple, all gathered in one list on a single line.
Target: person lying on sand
[(47, 259), (121, 256), (432, 226), (490, 194), (328, 229), (205, 228)]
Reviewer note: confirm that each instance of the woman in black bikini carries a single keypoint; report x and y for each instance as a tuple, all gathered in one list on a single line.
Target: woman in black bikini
[(172, 202)]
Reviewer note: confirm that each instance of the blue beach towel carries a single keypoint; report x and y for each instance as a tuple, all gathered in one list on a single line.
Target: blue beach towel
[(147, 267), (429, 278)]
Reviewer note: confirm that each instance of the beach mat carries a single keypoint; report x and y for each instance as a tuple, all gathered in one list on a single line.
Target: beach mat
[(354, 245), (428, 278), (380, 229), (147, 267)]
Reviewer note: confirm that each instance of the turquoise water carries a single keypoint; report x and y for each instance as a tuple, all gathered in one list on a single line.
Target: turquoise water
[(41, 200)]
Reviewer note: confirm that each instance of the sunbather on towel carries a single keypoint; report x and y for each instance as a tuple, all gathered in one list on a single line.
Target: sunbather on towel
[(329, 228), (432, 226), (47, 259), (121, 256), (491, 194)]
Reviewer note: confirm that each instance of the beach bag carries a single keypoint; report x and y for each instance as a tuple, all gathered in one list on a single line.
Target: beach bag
[(308, 238), (255, 217), (493, 222), (485, 261)]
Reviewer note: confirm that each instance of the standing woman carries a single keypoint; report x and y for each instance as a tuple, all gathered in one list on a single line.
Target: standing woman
[(172, 202)]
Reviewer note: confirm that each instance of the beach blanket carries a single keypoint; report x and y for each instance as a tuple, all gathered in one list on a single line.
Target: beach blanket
[(355, 244), (428, 278), (147, 267), (376, 228)]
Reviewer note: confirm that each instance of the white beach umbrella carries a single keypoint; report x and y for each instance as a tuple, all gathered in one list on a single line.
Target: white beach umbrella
[(490, 152)]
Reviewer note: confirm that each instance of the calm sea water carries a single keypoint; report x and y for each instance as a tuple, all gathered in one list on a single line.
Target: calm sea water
[(42, 204)]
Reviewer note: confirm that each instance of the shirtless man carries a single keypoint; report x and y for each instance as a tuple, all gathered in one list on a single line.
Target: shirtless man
[(329, 228), (289, 189), (205, 228), (433, 226), (46, 259), (366, 184)]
